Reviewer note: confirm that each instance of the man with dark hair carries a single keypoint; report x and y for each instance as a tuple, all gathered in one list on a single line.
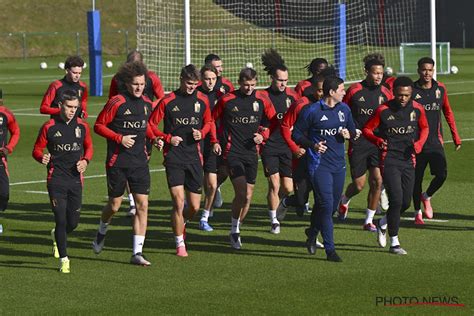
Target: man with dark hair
[(322, 128), (307, 87), (402, 130), (223, 84), (69, 145), (240, 114), (71, 81), (153, 89), (433, 96), (8, 124), (276, 156), (187, 120), (124, 123), (364, 98)]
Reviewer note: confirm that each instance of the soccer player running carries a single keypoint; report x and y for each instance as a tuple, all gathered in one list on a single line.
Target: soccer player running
[(433, 96), (211, 160), (402, 130), (223, 86), (301, 180), (8, 125), (307, 87), (153, 89), (364, 98), (275, 153), (124, 123), (240, 114), (69, 151), (71, 81), (322, 128), (187, 119)]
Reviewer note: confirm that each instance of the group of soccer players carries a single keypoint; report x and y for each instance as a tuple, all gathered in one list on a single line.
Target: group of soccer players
[(211, 131)]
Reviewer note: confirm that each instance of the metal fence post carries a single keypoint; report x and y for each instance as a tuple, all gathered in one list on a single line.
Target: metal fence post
[(77, 43)]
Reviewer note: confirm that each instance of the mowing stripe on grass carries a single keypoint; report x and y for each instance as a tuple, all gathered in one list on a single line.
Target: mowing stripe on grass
[(426, 219)]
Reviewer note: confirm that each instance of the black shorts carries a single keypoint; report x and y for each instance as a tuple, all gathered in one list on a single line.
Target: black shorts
[(70, 191), (243, 166), (210, 162), (4, 181), (138, 179), (361, 158), (277, 163), (436, 160), (188, 175)]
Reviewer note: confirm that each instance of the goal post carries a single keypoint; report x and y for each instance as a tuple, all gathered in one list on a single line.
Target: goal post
[(239, 31), (410, 53)]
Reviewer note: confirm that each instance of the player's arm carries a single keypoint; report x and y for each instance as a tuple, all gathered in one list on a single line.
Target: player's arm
[(48, 99), (217, 114), (301, 128), (270, 113), (113, 90), (423, 129), (287, 123), (88, 147), (156, 117), (14, 130), (207, 119), (105, 117), (84, 97), (158, 90), (41, 143), (449, 115), (371, 125)]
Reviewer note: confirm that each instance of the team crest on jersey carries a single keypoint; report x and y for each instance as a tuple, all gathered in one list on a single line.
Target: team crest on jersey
[(438, 93), (381, 99), (79, 93), (222, 89), (78, 132), (362, 99), (145, 108), (342, 117), (417, 96), (288, 102), (1, 120), (256, 106), (197, 107), (413, 116)]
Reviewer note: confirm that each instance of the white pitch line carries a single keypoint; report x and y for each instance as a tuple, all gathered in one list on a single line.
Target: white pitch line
[(36, 192), (426, 219), (86, 177), (461, 93)]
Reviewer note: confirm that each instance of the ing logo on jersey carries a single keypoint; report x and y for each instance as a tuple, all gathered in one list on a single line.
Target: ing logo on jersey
[(413, 116), (197, 107), (438, 93), (78, 132), (256, 106), (342, 117)]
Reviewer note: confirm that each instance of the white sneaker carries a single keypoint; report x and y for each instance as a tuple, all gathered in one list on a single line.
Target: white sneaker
[(275, 228), (55, 249), (319, 244), (1, 229), (218, 201), (384, 200), (307, 208), (281, 210), (397, 250), (139, 260), (381, 235), (132, 211)]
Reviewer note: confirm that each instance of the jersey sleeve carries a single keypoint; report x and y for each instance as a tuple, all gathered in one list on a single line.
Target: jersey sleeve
[(270, 113), (113, 90), (48, 99), (449, 115), (371, 126), (207, 122), (158, 90), (287, 123), (84, 97), (41, 142), (423, 128), (14, 130), (106, 116), (88, 147), (301, 128), (156, 117)]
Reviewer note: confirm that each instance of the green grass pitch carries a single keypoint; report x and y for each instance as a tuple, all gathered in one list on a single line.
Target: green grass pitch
[(270, 275)]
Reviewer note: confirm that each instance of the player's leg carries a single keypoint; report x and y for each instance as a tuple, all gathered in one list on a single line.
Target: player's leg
[(210, 189), (439, 170), (116, 182), (421, 164), (4, 192), (58, 200), (375, 185), (177, 218), (222, 175), (132, 210), (271, 170)]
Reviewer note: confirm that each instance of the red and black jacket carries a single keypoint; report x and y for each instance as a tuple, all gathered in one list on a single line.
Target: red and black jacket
[(8, 124), (52, 97)]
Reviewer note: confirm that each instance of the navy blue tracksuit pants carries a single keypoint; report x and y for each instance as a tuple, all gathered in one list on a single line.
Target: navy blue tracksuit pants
[(327, 188)]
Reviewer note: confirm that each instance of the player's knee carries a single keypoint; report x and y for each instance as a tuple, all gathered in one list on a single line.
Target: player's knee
[(142, 205), (4, 202), (70, 227), (441, 176)]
